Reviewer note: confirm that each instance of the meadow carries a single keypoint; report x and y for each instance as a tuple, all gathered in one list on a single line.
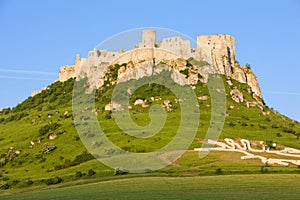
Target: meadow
[(267, 186)]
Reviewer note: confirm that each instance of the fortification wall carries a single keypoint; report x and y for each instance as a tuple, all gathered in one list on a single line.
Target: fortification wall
[(69, 71), (177, 45), (145, 54), (221, 50), (216, 49)]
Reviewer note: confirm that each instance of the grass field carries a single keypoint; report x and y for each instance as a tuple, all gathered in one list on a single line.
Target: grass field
[(266, 186)]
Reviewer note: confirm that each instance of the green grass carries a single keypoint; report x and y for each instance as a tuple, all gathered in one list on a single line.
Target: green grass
[(267, 186), (27, 121)]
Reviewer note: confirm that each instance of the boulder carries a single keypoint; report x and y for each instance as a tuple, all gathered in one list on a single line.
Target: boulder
[(138, 102), (237, 95), (203, 98), (113, 106)]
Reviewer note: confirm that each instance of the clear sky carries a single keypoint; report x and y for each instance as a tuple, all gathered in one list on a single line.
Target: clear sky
[(37, 37)]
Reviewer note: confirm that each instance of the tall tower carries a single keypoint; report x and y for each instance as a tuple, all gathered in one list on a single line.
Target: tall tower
[(77, 62), (148, 39), (220, 48)]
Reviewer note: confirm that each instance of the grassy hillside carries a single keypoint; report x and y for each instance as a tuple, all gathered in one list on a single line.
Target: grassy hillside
[(30, 157)]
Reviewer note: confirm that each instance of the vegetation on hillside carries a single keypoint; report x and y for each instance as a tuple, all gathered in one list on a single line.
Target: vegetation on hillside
[(40, 145)]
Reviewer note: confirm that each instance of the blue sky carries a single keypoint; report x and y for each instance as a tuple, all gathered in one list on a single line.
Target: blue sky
[(37, 37)]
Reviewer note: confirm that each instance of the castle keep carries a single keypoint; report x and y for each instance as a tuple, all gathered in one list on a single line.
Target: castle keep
[(217, 50)]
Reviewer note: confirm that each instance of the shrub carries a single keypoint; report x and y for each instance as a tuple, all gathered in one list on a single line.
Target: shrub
[(244, 124), (219, 171), (119, 171), (289, 130), (5, 186), (48, 128), (185, 72), (231, 124), (78, 174), (55, 180), (264, 169), (85, 156), (91, 172), (278, 135), (30, 182)]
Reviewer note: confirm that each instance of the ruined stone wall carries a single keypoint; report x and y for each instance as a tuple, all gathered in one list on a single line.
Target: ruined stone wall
[(69, 71), (177, 45), (221, 50), (146, 54), (218, 50)]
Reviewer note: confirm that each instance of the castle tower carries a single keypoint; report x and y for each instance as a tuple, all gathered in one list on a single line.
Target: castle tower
[(77, 61), (148, 39), (220, 48)]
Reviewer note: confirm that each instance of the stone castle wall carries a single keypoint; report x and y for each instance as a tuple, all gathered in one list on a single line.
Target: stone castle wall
[(218, 50)]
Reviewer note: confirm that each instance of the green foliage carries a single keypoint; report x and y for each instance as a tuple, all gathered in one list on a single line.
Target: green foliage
[(91, 172), (185, 72), (84, 157), (219, 171), (58, 93), (37, 117), (192, 62), (78, 174), (50, 127), (55, 180)]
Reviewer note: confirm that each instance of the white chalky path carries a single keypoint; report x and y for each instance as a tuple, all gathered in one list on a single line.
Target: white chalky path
[(245, 147)]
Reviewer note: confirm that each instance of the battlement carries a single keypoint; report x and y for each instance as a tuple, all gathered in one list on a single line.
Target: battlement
[(218, 50)]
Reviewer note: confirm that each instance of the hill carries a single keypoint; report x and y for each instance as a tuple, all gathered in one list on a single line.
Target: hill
[(40, 145)]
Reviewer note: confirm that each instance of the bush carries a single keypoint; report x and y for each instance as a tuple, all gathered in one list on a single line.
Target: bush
[(5, 186), (275, 126), (231, 124), (78, 174), (289, 130), (55, 180), (85, 156), (48, 128), (91, 172), (120, 171), (219, 171)]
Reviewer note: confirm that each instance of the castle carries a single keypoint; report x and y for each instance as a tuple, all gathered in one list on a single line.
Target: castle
[(218, 50)]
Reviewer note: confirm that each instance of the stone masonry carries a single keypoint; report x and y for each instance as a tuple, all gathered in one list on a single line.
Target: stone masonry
[(218, 50)]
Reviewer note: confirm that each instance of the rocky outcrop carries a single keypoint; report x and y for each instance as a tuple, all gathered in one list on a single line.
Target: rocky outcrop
[(149, 57), (113, 106), (252, 81), (237, 95)]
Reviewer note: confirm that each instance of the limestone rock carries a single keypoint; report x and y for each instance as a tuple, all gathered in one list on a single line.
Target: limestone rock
[(252, 81), (203, 98), (251, 104), (52, 136), (237, 96), (138, 102), (113, 106), (167, 104), (239, 75)]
